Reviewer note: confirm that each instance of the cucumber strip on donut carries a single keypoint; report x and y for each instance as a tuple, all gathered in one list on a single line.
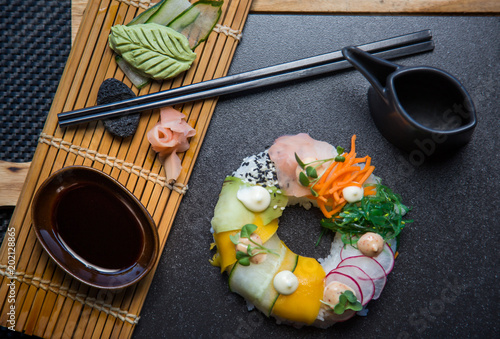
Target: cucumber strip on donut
[(230, 214), (270, 296), (252, 282)]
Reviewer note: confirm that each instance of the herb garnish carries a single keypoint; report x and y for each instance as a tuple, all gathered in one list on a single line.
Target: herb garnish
[(347, 301), (309, 177), (242, 257), (381, 213)]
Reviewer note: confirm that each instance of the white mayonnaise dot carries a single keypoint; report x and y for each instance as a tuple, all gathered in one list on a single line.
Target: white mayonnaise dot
[(371, 244), (353, 193), (285, 282), (255, 198)]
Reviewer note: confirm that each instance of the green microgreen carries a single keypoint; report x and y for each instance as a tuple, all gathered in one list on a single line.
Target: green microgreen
[(243, 258), (381, 213), (253, 248), (301, 164), (309, 176), (347, 301), (247, 230), (303, 179), (311, 172)]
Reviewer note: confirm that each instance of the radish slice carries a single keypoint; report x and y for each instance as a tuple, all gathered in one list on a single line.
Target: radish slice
[(346, 280), (385, 258), (370, 267), (364, 281), (349, 251)]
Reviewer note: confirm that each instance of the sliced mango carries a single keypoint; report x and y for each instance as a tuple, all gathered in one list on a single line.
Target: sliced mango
[(303, 305), (226, 251), (265, 232)]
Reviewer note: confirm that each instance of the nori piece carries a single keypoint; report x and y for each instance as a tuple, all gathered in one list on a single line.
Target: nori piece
[(112, 90)]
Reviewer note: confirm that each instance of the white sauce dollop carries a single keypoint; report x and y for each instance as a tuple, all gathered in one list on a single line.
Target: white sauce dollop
[(353, 193), (255, 198), (285, 282)]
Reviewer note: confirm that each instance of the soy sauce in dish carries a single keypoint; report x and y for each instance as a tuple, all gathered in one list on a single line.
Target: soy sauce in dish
[(98, 226)]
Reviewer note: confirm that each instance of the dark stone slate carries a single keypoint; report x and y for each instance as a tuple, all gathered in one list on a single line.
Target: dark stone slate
[(112, 90), (444, 281)]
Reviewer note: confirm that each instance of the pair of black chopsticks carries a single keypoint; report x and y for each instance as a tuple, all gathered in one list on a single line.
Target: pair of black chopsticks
[(392, 48)]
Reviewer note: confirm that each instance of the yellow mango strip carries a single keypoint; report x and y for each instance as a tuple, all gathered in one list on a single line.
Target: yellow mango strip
[(226, 251), (303, 305), (265, 232)]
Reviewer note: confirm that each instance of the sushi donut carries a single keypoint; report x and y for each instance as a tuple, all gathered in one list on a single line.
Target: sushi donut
[(291, 288)]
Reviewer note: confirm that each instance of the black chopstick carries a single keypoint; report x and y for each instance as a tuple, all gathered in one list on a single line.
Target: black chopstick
[(389, 48)]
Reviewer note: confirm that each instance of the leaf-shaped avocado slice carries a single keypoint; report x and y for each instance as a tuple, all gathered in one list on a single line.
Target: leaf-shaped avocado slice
[(156, 51)]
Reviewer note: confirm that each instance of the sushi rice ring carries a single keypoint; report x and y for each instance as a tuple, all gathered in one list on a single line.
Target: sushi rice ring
[(295, 289)]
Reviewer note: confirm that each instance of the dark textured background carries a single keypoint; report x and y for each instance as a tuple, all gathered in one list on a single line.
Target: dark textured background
[(35, 41), (444, 281), (444, 284)]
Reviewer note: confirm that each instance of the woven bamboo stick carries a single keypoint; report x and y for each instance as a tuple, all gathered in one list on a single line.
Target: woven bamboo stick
[(58, 163)]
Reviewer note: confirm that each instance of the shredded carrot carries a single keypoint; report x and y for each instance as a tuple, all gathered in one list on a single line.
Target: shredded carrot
[(322, 207), (340, 175), (369, 190)]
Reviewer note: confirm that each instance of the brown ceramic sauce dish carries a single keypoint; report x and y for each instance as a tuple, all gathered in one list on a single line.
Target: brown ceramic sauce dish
[(94, 228)]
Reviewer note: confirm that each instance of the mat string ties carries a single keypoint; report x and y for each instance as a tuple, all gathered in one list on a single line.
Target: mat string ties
[(64, 291), (139, 3), (228, 31), (236, 34), (112, 161)]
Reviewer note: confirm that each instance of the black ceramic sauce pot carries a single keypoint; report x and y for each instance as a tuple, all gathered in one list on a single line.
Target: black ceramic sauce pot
[(418, 108)]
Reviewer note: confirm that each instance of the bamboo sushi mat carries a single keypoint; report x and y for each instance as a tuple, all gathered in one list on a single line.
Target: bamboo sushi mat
[(48, 302)]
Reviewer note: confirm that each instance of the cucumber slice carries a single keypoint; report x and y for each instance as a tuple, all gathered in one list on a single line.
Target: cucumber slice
[(253, 282), (230, 214), (168, 11), (132, 74), (276, 296), (144, 16), (198, 21), (271, 295)]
